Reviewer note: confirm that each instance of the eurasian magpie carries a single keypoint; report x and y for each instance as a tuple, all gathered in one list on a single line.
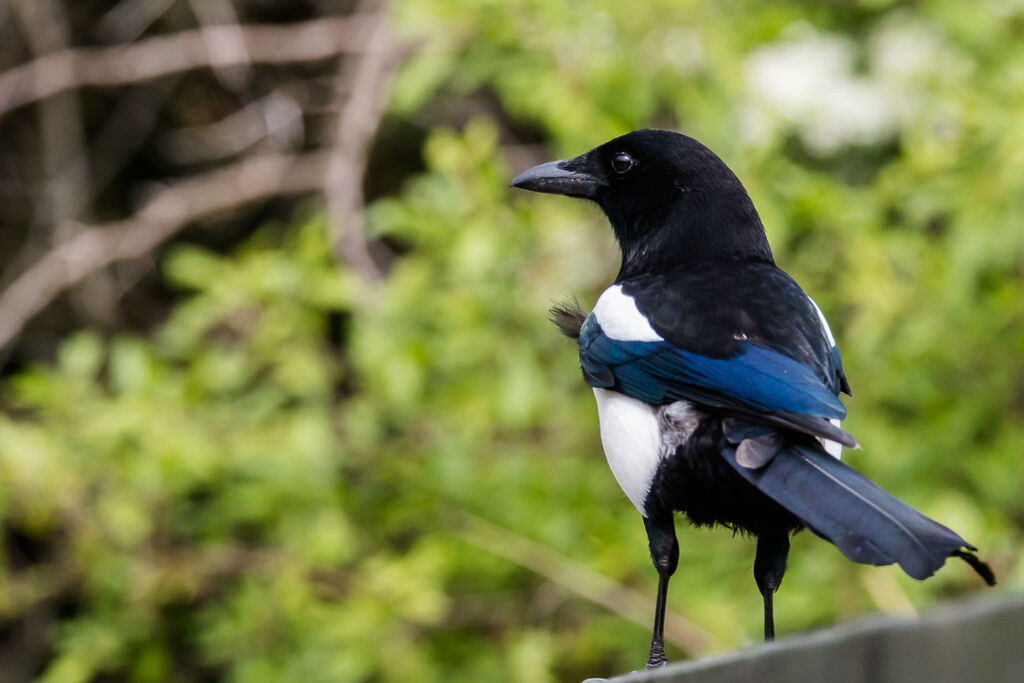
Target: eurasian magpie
[(717, 378)]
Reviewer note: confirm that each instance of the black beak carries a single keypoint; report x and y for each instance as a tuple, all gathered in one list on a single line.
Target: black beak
[(559, 177)]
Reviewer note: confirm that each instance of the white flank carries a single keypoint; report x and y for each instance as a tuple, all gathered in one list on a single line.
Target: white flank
[(632, 442), (824, 323), (833, 448), (620, 319)]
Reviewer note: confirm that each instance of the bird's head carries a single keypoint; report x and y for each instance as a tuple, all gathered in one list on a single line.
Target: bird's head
[(670, 200)]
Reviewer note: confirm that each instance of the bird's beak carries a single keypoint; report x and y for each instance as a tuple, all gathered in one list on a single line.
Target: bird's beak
[(560, 177)]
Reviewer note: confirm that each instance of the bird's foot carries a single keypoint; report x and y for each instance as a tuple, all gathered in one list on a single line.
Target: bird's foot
[(657, 657)]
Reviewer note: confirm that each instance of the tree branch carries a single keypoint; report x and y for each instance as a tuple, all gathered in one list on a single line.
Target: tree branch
[(365, 80), (276, 118), (163, 55), (164, 214), (229, 56), (65, 180)]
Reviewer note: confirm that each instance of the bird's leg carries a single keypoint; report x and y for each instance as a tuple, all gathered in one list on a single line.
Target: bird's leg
[(661, 538), (769, 566), (657, 656)]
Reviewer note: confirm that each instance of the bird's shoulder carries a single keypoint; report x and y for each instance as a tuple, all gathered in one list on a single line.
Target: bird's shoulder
[(711, 309), (720, 309), (745, 341), (715, 310)]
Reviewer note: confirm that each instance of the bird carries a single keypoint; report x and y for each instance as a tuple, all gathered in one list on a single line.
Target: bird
[(717, 378)]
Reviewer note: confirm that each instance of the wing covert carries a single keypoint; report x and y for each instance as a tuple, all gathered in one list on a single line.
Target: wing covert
[(755, 381)]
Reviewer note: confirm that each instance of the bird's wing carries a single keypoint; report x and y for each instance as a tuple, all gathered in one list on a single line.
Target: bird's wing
[(756, 382), (761, 355)]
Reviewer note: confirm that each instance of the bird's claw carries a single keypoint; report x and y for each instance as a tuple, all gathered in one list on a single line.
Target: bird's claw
[(657, 658)]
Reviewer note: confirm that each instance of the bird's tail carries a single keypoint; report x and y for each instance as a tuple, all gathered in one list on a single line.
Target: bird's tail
[(861, 519)]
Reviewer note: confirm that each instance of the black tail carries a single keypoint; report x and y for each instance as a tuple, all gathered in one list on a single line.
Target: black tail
[(846, 508)]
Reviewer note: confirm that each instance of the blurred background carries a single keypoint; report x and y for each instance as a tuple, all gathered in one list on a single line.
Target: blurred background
[(278, 399)]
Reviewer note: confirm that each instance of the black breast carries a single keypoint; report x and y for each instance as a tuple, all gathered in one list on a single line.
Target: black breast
[(696, 480)]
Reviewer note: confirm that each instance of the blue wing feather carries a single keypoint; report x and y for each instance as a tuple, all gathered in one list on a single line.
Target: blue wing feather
[(756, 378)]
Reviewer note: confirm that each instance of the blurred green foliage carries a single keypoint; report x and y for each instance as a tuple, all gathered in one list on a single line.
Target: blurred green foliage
[(283, 482)]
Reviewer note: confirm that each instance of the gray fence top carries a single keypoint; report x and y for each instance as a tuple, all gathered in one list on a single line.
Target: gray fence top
[(979, 640)]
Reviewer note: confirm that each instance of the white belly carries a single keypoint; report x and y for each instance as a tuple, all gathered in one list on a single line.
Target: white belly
[(631, 438)]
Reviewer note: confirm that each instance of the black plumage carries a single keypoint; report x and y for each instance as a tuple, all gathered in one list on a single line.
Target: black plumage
[(717, 377)]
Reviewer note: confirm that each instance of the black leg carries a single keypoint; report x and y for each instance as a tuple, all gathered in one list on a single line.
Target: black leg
[(657, 657), (769, 614), (661, 538), (769, 567)]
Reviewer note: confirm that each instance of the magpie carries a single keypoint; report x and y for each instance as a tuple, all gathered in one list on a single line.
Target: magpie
[(717, 378)]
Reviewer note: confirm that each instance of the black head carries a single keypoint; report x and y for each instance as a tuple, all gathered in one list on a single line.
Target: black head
[(670, 200)]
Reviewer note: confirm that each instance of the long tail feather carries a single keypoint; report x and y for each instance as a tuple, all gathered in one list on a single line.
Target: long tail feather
[(983, 570), (860, 518)]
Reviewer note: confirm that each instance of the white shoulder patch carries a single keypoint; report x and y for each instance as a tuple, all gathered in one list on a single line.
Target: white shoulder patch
[(631, 437), (824, 323), (620, 319)]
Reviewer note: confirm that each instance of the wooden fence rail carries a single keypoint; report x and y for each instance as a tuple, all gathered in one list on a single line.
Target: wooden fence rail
[(975, 641)]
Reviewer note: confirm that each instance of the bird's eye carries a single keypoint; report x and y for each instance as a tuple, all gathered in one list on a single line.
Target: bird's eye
[(622, 163)]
